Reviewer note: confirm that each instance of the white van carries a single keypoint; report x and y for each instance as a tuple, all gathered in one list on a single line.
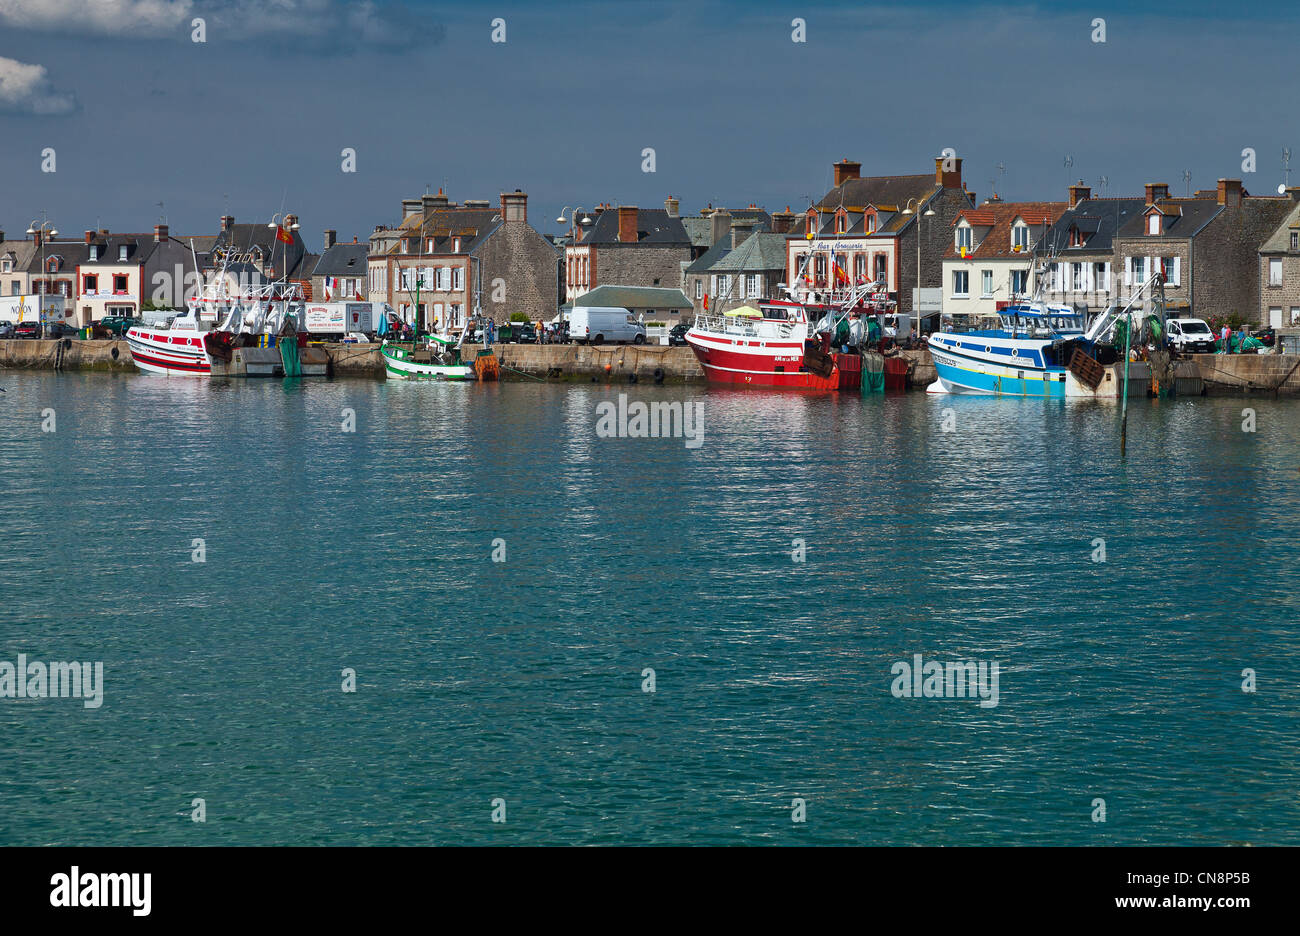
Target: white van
[(603, 325), (1190, 335)]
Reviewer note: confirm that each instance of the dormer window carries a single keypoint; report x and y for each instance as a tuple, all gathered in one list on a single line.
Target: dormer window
[(1020, 237), (121, 253), (7, 265), (429, 247), (455, 245), (1076, 237), (869, 224), (1153, 224), (94, 252), (841, 222), (963, 236)]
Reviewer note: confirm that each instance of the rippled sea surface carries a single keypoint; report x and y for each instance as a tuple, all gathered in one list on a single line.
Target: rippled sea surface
[(523, 680)]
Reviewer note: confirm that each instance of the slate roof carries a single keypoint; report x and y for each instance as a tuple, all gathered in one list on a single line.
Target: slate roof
[(1280, 240), (471, 225), (635, 297), (21, 250), (888, 194), (1099, 219), (654, 227), (999, 217), (138, 249), (1184, 218), (73, 252), (342, 260), (711, 256), (758, 253)]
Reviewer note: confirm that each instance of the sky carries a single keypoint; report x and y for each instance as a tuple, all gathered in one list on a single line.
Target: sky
[(254, 120)]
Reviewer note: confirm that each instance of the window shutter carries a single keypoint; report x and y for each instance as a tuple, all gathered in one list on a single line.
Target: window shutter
[(1177, 272)]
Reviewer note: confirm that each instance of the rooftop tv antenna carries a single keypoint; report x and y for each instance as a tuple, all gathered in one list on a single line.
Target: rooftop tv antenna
[(1187, 177)]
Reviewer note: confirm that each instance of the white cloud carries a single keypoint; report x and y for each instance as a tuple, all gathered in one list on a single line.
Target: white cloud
[(101, 17), (338, 21), (26, 89)]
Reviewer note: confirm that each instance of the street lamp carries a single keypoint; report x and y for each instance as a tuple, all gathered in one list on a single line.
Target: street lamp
[(928, 213), (46, 230), (573, 233)]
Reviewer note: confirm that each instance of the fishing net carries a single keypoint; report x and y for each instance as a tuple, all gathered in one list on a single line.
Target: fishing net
[(873, 372)]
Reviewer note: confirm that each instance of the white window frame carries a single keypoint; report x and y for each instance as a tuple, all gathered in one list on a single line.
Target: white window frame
[(986, 284), (1275, 271), (699, 289), (457, 279), (963, 236), (962, 277)]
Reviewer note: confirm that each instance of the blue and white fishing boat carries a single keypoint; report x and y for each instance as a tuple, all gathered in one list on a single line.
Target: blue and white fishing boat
[(1027, 355)]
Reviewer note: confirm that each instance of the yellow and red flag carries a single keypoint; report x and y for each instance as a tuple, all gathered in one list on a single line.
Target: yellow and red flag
[(283, 236), (706, 302)]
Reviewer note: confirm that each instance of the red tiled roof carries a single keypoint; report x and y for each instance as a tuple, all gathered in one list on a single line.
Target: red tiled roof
[(1000, 215), (983, 217)]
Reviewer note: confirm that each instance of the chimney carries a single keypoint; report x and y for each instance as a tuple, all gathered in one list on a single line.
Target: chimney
[(159, 233), (227, 222), (627, 224), (1293, 193), (1079, 192), (845, 170), (1156, 191), (90, 236), (514, 207), (720, 224), (947, 178), (410, 206), (331, 238), (1230, 192), (38, 238), (741, 228), (782, 221), (673, 207)]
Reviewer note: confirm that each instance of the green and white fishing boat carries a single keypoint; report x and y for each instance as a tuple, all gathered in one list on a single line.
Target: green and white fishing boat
[(438, 359)]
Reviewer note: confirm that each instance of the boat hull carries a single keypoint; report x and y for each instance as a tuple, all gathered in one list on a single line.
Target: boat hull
[(755, 363), (398, 367), (179, 354)]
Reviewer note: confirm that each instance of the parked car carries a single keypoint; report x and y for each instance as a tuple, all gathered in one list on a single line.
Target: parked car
[(6, 329), (1268, 336), (1190, 335), (523, 332), (27, 330), (118, 324), (59, 330), (678, 335)]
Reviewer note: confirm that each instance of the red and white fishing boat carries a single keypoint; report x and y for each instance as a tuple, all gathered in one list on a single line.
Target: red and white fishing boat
[(221, 330), (788, 343)]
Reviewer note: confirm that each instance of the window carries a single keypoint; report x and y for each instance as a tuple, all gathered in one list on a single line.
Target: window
[(841, 223), (754, 291), (1020, 236), (1153, 224), (1173, 270), (986, 283), (882, 268), (1056, 277), (963, 237), (699, 289), (960, 283), (1275, 316), (90, 286), (1076, 277), (860, 266), (724, 285), (458, 278), (819, 270), (93, 252), (1275, 272), (121, 252), (1137, 270), (1295, 240), (1295, 315), (1101, 277), (1019, 282), (869, 224), (119, 284)]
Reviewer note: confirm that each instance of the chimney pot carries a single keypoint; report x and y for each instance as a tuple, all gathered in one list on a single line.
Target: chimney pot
[(672, 206), (514, 207), (1079, 192), (331, 237), (159, 233), (227, 222), (90, 236)]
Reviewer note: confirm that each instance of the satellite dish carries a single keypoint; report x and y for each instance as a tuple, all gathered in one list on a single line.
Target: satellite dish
[(1281, 189)]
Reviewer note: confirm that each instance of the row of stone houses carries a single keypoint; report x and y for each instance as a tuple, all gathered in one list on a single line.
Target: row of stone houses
[(1221, 252)]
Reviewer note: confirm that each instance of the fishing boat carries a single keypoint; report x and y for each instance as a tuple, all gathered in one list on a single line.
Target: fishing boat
[(438, 359), (1041, 350), (788, 342), (232, 329)]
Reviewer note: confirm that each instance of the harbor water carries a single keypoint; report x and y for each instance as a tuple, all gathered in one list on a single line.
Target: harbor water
[(507, 584)]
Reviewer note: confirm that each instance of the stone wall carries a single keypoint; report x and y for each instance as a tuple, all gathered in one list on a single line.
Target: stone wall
[(628, 265)]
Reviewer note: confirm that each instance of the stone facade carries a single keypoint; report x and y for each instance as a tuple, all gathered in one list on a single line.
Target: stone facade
[(1226, 254), (521, 273), (639, 265)]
